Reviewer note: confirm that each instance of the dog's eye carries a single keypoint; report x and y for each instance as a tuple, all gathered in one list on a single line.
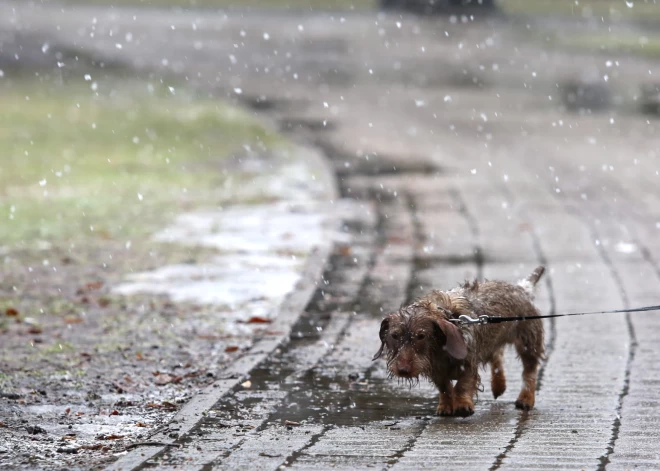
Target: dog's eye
[(421, 336), (395, 336)]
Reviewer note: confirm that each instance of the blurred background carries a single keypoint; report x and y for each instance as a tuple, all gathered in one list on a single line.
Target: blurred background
[(168, 167)]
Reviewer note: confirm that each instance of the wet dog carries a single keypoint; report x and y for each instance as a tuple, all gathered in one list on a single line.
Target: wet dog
[(420, 341)]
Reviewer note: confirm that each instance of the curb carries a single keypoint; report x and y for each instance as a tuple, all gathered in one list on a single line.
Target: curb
[(288, 314)]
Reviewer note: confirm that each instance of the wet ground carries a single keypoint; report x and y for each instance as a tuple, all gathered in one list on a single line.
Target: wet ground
[(455, 157)]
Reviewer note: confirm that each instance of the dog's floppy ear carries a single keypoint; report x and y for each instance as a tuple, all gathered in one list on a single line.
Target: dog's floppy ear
[(384, 326), (455, 345)]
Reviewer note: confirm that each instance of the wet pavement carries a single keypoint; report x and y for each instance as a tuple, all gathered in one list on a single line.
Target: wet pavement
[(454, 158)]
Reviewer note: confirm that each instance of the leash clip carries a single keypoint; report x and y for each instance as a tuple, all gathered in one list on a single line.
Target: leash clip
[(467, 320)]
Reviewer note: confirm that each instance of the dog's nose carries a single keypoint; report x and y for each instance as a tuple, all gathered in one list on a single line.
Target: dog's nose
[(404, 369)]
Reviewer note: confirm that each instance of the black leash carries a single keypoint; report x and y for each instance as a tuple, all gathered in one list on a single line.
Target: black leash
[(467, 320)]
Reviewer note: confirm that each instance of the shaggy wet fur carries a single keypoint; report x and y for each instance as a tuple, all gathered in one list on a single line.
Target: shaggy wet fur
[(420, 341)]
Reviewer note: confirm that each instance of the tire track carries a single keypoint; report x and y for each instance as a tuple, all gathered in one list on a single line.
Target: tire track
[(604, 258), (550, 344)]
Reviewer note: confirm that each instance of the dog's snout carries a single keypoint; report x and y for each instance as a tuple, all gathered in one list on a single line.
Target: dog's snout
[(404, 369)]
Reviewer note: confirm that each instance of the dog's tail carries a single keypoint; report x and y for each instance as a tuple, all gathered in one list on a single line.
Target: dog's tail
[(529, 283)]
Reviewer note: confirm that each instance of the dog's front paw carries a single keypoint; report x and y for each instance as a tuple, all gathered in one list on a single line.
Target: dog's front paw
[(525, 401), (464, 407), (445, 410), (523, 405), (464, 411)]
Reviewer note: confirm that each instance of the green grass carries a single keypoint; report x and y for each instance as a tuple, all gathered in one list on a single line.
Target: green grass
[(118, 161), (608, 9), (637, 44)]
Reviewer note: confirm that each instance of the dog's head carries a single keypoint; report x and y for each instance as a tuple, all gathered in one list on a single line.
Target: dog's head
[(415, 335)]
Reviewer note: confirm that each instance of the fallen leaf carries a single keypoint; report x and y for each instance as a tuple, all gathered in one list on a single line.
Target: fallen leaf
[(209, 337), (344, 250), (69, 437), (231, 348), (114, 412), (291, 422), (169, 405), (112, 437), (141, 424), (164, 379), (68, 409), (11, 312), (139, 356), (79, 414), (104, 302), (259, 320), (73, 320), (153, 405), (35, 330), (93, 286)]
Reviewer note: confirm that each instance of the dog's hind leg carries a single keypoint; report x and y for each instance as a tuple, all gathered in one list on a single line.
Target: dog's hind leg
[(497, 377), (530, 348)]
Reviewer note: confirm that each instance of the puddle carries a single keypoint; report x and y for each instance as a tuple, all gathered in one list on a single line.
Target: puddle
[(265, 248)]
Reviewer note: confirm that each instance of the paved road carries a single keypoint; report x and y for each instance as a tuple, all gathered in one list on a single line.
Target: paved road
[(448, 139)]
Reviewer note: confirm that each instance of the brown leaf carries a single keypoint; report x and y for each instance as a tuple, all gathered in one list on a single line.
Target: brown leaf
[(35, 329), (169, 405), (291, 422), (345, 250), (164, 379), (79, 414), (139, 356), (104, 302), (259, 320), (67, 411), (112, 437), (208, 337), (69, 437), (11, 312), (141, 424), (73, 320), (94, 286), (153, 405), (231, 348), (114, 412)]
